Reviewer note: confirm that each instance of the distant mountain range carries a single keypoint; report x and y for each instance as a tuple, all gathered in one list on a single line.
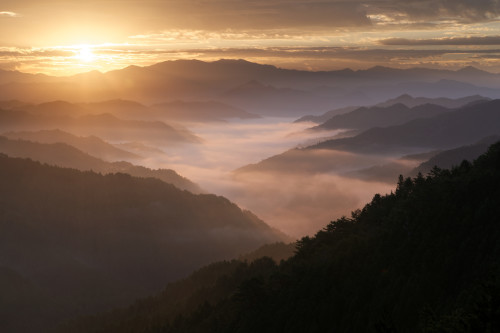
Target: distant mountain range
[(65, 155), (91, 145), (365, 118), (177, 111), (453, 157), (200, 111), (72, 118), (261, 89), (447, 130), (271, 101), (404, 99), (442, 159)]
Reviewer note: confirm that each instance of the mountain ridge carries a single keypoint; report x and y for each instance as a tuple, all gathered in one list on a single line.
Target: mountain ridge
[(93, 242), (67, 156), (198, 80)]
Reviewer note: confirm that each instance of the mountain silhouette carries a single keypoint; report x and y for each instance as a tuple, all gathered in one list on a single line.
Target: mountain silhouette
[(404, 99), (193, 80), (451, 129), (445, 159), (365, 118)]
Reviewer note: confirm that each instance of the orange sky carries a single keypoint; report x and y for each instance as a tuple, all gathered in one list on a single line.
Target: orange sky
[(62, 37)]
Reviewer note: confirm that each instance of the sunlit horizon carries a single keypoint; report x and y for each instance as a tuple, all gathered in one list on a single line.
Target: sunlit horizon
[(306, 36), (83, 58)]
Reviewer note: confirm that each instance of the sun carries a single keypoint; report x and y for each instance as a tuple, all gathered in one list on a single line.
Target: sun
[(85, 54)]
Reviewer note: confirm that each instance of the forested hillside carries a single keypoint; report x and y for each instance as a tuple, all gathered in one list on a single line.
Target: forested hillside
[(425, 258), (75, 242)]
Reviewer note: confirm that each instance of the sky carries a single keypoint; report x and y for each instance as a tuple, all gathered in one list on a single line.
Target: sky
[(64, 37)]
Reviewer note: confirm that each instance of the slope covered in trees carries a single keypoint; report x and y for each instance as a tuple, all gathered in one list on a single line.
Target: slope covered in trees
[(82, 242), (422, 259)]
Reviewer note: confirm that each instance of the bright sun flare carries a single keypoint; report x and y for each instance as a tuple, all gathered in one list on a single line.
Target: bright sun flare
[(85, 54)]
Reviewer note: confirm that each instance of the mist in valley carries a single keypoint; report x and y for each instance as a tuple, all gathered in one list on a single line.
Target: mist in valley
[(298, 199)]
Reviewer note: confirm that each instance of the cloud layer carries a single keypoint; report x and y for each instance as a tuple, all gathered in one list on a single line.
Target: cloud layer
[(289, 33), (477, 40)]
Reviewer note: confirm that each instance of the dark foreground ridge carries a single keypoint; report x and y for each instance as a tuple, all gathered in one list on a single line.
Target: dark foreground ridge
[(423, 259), (76, 243)]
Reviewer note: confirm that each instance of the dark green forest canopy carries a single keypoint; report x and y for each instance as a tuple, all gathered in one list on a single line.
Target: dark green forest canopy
[(423, 259)]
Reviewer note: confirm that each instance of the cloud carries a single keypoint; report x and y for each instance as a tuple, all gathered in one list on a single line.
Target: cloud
[(350, 56), (9, 14), (484, 40), (28, 52), (261, 15), (434, 11), (329, 15), (53, 60), (321, 53)]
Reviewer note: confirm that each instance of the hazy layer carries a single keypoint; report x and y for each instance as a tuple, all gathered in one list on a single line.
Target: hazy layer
[(297, 203)]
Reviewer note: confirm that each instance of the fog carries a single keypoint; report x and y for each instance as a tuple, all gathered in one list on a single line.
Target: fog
[(297, 200)]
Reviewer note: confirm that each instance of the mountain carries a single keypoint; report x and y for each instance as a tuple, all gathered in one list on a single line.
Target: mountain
[(268, 100), (64, 155), (377, 92), (276, 251), (200, 111), (13, 104), (309, 161), (21, 299), (373, 150), (453, 157), (449, 103), (120, 108), (411, 165), (91, 242), (365, 118), (404, 99), (235, 82), (106, 126), (54, 109), (91, 145), (451, 129), (325, 116), (424, 258), (7, 76)]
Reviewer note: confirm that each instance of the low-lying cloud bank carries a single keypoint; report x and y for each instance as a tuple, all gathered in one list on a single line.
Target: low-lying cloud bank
[(298, 201)]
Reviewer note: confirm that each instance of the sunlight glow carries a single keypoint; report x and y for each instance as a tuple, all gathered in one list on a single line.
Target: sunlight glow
[(85, 54)]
